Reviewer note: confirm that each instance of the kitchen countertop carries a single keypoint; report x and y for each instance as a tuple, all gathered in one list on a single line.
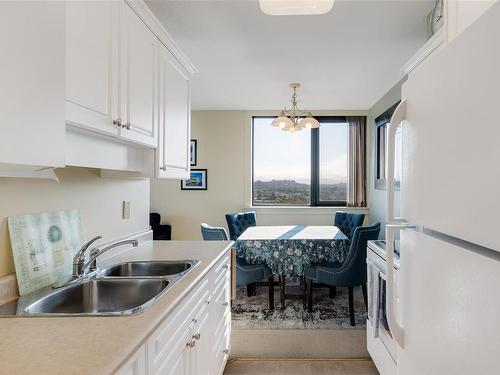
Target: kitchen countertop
[(100, 345)]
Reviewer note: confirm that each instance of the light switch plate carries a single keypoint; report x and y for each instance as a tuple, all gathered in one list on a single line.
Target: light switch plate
[(126, 210)]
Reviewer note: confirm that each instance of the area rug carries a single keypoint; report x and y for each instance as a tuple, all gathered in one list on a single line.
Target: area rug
[(328, 313)]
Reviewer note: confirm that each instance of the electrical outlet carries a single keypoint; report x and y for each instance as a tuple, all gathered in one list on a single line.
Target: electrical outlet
[(126, 210)]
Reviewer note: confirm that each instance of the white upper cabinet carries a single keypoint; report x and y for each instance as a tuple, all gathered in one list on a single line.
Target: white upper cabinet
[(172, 155), (32, 83), (91, 61), (138, 79)]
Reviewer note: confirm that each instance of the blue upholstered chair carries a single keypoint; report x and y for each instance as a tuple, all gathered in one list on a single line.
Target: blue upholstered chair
[(350, 273), (249, 274), (213, 233), (348, 222), (237, 223)]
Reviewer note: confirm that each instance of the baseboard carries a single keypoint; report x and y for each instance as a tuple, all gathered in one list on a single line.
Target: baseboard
[(304, 344)]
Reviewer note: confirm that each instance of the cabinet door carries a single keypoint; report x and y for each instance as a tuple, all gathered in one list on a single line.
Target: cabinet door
[(201, 359), (138, 79), (172, 155), (32, 83), (179, 364), (91, 65), (136, 364)]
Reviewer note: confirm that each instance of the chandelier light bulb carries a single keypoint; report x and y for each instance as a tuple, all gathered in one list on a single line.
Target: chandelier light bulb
[(294, 119)]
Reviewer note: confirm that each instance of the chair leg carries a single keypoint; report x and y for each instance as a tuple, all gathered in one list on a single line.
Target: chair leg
[(309, 295), (365, 296), (351, 306), (303, 286), (251, 290), (282, 291), (333, 291), (270, 279)]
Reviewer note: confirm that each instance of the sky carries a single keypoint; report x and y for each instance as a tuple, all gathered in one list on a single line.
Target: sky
[(282, 155)]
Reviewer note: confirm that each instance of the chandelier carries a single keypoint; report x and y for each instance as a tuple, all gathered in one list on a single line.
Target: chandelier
[(294, 119)]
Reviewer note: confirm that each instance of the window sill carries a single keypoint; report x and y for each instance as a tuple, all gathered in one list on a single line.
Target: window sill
[(304, 210)]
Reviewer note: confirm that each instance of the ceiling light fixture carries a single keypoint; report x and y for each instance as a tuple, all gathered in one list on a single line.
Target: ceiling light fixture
[(295, 7), (294, 119)]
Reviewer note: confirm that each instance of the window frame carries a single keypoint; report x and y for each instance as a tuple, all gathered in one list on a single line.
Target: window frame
[(315, 154), (382, 121)]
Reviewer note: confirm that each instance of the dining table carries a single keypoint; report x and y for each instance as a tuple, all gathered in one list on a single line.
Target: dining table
[(288, 249)]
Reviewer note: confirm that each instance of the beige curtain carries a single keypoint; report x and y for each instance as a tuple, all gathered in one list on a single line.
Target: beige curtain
[(356, 194)]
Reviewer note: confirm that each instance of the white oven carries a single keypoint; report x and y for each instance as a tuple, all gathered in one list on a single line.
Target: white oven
[(380, 344)]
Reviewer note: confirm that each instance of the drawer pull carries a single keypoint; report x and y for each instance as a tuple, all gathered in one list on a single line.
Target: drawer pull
[(195, 321), (197, 336), (225, 351), (207, 302), (191, 344), (226, 266), (118, 122), (225, 304)]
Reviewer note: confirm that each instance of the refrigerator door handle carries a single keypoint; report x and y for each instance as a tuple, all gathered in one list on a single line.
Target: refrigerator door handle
[(398, 116), (396, 328)]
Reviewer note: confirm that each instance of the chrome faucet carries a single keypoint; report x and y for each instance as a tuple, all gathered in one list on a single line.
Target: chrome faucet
[(79, 265)]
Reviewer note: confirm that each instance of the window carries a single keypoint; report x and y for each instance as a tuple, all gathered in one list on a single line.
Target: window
[(303, 168), (281, 165)]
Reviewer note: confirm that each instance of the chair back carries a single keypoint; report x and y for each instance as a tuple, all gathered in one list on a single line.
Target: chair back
[(355, 262), (154, 219), (238, 223), (213, 233), (348, 222)]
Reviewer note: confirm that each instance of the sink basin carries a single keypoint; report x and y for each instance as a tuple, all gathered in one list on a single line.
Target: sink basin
[(148, 269), (100, 297)]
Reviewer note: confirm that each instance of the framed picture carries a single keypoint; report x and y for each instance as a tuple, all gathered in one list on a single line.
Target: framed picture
[(193, 152), (197, 180)]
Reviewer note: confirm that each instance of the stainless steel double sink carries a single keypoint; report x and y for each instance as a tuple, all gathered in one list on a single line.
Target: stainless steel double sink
[(122, 289)]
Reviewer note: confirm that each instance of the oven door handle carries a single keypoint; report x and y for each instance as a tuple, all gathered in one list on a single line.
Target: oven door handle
[(396, 328)]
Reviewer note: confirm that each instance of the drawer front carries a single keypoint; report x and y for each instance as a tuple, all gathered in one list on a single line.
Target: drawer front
[(222, 268), (167, 343)]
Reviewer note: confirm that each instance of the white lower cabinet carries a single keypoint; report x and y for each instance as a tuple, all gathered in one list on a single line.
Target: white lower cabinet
[(136, 365), (194, 338)]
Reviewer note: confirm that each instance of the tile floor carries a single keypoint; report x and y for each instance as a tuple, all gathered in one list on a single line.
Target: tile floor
[(301, 367)]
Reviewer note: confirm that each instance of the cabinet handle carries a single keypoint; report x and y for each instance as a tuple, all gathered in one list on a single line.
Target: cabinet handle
[(191, 344), (164, 168), (126, 125), (225, 351), (226, 266), (118, 122), (197, 336), (207, 302), (195, 321), (225, 304)]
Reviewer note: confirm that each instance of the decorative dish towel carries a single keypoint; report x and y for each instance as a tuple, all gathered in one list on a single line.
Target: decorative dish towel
[(43, 246), (373, 295)]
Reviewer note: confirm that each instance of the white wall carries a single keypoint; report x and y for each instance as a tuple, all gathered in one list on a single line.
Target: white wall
[(100, 198), (224, 149), (377, 197)]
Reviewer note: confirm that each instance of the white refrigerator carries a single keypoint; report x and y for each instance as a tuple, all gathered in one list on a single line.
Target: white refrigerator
[(448, 286)]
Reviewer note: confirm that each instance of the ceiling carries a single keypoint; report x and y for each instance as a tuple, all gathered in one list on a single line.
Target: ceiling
[(346, 59)]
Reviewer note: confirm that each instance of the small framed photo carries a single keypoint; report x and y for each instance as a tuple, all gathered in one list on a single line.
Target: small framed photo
[(197, 180), (193, 152)]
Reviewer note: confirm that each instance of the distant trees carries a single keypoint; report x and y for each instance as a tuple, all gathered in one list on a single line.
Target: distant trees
[(294, 193)]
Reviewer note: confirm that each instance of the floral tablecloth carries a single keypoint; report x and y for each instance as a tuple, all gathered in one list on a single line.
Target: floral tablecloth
[(287, 249)]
